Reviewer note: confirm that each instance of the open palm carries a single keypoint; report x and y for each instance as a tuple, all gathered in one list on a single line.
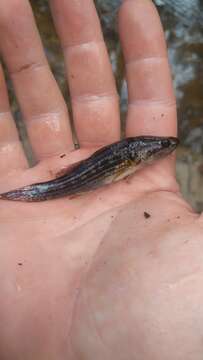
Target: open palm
[(114, 273)]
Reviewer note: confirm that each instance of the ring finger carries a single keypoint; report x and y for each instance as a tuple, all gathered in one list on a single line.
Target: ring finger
[(93, 92)]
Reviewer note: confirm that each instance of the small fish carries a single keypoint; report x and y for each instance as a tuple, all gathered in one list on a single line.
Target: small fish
[(109, 164)]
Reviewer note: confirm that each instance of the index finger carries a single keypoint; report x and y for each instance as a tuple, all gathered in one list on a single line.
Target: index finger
[(152, 106)]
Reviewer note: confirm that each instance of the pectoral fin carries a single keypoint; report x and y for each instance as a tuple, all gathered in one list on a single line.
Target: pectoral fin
[(127, 169)]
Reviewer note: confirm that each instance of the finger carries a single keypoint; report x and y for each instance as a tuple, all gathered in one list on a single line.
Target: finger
[(152, 108), (92, 86), (41, 102), (11, 152)]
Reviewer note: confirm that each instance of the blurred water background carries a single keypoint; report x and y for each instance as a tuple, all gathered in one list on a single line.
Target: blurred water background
[(183, 26)]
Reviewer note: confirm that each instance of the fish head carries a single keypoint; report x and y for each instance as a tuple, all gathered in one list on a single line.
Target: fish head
[(149, 148)]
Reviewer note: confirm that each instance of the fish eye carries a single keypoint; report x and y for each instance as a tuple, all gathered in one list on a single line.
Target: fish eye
[(165, 143)]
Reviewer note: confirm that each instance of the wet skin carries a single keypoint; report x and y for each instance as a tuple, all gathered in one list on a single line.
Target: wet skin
[(94, 277)]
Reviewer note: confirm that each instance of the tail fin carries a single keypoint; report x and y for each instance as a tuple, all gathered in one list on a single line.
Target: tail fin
[(21, 194)]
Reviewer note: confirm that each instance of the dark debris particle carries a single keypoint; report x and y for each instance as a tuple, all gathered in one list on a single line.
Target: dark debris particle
[(62, 156), (20, 263), (146, 215), (162, 115)]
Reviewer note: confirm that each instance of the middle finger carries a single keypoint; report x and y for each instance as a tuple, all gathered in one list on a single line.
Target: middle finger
[(92, 86)]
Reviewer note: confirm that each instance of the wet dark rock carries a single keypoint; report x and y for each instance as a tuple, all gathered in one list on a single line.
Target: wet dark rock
[(187, 11), (107, 10), (195, 139)]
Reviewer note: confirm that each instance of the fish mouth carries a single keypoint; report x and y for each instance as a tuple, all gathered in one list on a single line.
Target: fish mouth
[(169, 143), (168, 146), (174, 142)]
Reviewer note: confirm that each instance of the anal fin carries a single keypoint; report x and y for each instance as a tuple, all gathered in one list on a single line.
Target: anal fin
[(126, 170)]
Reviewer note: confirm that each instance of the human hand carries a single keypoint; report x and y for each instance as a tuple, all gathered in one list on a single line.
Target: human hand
[(94, 277)]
